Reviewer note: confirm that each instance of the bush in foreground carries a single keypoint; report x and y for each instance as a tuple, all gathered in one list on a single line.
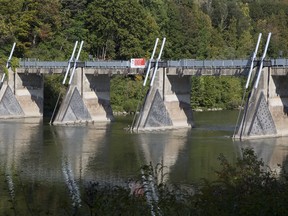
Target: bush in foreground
[(245, 188)]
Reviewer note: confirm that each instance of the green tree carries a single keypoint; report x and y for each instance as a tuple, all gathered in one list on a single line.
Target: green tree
[(120, 29), (126, 93), (173, 30)]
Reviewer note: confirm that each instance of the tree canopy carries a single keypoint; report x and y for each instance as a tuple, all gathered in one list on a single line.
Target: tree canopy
[(121, 29)]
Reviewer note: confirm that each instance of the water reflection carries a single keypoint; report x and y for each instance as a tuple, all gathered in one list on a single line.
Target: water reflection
[(79, 144), (14, 146), (163, 147), (44, 168), (273, 151)]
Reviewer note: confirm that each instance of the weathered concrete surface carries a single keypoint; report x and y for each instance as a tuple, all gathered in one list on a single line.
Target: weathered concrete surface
[(72, 108), (208, 71), (177, 100), (158, 115), (87, 100), (264, 111), (9, 105), (96, 96), (29, 91), (22, 96), (88, 70), (167, 104), (278, 103)]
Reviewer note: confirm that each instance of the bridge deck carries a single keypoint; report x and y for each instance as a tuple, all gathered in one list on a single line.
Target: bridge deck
[(174, 67)]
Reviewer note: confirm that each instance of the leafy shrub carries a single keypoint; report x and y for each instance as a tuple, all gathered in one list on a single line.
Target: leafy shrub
[(247, 187)]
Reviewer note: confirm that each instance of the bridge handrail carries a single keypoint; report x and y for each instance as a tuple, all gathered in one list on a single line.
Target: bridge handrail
[(108, 64), (279, 62), (191, 63), (63, 64), (45, 64), (183, 63)]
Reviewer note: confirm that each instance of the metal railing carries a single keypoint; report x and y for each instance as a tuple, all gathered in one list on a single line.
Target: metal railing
[(190, 63), (183, 63)]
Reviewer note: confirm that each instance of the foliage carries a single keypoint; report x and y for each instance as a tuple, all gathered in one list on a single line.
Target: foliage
[(126, 93), (216, 92), (124, 29), (247, 187), (113, 200), (53, 89)]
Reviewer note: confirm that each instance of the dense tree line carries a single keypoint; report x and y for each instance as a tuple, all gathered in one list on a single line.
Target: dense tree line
[(47, 29), (123, 29)]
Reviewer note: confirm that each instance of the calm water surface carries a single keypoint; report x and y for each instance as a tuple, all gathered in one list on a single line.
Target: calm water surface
[(43, 167)]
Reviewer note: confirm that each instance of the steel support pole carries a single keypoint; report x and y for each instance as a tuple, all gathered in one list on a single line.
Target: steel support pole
[(69, 63)]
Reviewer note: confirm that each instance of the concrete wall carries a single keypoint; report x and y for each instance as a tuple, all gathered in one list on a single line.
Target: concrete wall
[(96, 96), (9, 105)]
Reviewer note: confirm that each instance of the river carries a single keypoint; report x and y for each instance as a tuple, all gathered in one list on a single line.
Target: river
[(40, 164)]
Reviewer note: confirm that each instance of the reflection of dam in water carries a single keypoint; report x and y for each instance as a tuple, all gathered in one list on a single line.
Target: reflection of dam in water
[(49, 165), (15, 142), (163, 150), (106, 153), (273, 151), (42, 165), (79, 145), (37, 152)]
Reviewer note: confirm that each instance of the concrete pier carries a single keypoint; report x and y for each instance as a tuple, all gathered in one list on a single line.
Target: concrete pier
[(22, 96), (87, 100), (167, 104), (266, 110)]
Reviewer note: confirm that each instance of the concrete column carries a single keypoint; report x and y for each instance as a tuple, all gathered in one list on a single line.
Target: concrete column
[(177, 93), (87, 100), (29, 91), (278, 103), (167, 104), (257, 120), (21, 95), (96, 96)]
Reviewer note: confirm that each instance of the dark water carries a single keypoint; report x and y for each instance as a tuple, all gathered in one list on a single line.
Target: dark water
[(43, 167)]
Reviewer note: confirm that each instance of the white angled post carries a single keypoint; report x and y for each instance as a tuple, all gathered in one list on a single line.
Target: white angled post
[(149, 65), (8, 61), (262, 59), (75, 63), (252, 61), (157, 61), (69, 63), (10, 56)]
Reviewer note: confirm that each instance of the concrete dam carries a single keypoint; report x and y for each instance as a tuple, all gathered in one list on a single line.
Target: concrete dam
[(167, 103)]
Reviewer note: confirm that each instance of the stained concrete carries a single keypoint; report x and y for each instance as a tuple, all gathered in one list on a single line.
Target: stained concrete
[(22, 96), (9, 105), (87, 100), (266, 111), (167, 104)]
